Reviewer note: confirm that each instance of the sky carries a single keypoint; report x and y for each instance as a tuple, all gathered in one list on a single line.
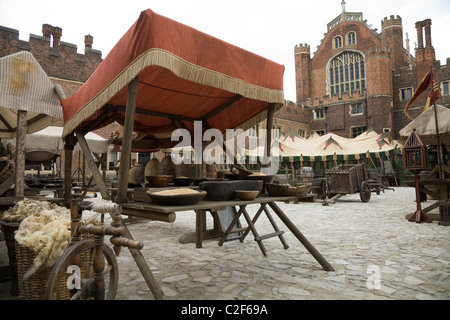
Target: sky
[(268, 28)]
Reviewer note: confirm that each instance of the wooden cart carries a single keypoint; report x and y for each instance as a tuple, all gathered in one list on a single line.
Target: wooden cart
[(347, 179)]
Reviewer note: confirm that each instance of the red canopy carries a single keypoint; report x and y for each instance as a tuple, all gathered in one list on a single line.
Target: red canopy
[(184, 75)]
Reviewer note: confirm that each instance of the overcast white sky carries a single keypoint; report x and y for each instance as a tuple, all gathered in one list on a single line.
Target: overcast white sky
[(268, 28)]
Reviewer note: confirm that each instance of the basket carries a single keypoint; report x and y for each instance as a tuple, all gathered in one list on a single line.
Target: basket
[(167, 167), (34, 287), (275, 189), (9, 229), (152, 167)]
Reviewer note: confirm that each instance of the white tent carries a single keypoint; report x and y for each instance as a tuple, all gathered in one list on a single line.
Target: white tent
[(47, 144), (425, 125), (25, 86)]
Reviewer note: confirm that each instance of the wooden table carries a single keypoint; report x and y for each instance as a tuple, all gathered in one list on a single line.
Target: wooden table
[(167, 213), (442, 194)]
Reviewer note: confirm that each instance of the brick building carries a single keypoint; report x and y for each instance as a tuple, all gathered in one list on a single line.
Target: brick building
[(60, 60), (359, 78)]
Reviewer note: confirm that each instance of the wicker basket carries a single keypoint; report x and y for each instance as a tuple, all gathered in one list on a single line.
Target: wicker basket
[(275, 189), (186, 170), (33, 288), (167, 167), (9, 229), (152, 167)]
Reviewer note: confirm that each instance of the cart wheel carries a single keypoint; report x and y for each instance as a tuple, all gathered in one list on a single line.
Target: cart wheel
[(84, 251), (365, 191)]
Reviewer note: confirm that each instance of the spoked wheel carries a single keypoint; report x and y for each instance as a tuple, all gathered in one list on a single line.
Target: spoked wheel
[(365, 191), (78, 260)]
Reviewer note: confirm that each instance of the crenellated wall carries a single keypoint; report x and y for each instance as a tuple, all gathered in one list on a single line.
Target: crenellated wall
[(59, 59)]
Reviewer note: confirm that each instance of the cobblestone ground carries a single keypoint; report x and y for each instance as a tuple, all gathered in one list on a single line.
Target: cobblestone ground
[(376, 252)]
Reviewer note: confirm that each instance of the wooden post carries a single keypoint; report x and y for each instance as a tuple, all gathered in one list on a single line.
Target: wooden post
[(126, 143), (19, 183), (293, 228), (269, 124), (94, 169), (69, 144), (150, 279)]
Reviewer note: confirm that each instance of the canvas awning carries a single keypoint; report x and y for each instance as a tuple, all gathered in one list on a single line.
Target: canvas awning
[(46, 144), (25, 86), (184, 75), (425, 125)]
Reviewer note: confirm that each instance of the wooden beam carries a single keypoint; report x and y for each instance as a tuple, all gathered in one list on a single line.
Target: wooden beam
[(98, 179), (152, 113), (7, 125), (127, 139), (19, 182), (97, 121), (221, 108)]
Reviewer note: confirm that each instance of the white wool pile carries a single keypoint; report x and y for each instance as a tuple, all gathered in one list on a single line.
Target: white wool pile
[(47, 234), (44, 229), (25, 208)]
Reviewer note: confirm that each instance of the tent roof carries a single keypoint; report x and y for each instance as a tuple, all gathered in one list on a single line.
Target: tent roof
[(329, 144), (184, 75), (49, 138), (24, 85), (425, 126)]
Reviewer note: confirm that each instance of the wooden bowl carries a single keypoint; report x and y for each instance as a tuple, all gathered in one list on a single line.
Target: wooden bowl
[(182, 182), (275, 189), (159, 181), (246, 194), (233, 176), (176, 199)]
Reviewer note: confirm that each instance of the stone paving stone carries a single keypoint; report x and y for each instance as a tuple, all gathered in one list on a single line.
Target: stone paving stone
[(362, 241)]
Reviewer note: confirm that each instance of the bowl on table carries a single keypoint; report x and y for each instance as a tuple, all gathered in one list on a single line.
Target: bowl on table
[(176, 197), (159, 181), (246, 194), (182, 181)]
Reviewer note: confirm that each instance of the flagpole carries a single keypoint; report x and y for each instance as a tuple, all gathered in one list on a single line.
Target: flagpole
[(439, 147)]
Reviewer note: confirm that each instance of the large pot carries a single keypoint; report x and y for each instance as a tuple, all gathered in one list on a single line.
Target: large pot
[(225, 190)]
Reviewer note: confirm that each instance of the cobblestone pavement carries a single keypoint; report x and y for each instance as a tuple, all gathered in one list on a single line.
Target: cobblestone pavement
[(376, 252)]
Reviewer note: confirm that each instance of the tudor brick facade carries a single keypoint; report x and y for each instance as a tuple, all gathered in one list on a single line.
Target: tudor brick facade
[(359, 78)]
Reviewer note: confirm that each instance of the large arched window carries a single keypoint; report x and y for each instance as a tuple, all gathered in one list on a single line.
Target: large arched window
[(347, 73)]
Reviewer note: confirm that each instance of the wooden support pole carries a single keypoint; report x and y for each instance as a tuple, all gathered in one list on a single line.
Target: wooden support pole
[(150, 279), (292, 227), (269, 124), (127, 140), (19, 183), (98, 179), (69, 144)]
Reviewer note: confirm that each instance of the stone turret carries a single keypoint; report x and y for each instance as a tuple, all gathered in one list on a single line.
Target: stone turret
[(302, 71), (392, 38)]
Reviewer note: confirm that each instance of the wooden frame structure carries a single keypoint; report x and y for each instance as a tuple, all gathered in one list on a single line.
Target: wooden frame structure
[(152, 83)]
